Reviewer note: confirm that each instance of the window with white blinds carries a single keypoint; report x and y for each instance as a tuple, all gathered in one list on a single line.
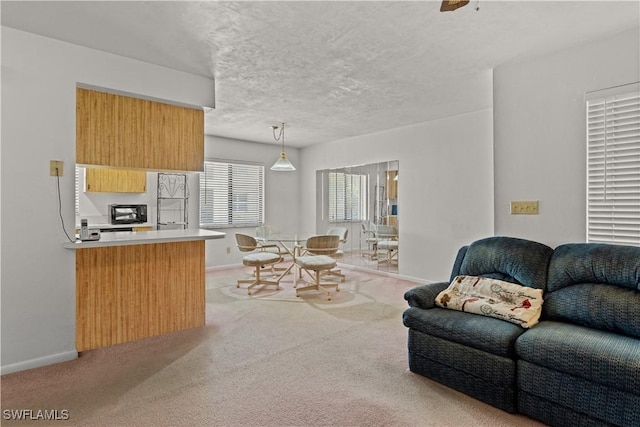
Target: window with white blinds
[(613, 168), (347, 197), (231, 194)]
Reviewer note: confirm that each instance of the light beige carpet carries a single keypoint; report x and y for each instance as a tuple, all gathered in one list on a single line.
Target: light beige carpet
[(270, 359)]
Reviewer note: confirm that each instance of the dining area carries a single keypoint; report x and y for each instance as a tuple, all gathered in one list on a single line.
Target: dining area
[(357, 205), (305, 258), (308, 260)]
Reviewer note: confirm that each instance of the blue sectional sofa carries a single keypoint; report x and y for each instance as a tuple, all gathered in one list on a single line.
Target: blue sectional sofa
[(580, 365)]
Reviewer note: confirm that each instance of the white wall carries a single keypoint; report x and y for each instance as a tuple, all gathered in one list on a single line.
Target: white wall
[(95, 206), (39, 77), (282, 190), (445, 185), (540, 134)]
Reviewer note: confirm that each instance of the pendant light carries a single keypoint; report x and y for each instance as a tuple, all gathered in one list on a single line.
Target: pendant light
[(282, 164)]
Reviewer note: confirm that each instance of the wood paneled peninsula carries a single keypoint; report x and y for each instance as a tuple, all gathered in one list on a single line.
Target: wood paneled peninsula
[(133, 285)]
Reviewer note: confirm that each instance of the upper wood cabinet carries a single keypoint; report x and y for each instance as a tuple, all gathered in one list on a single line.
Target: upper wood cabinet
[(115, 181), (125, 132), (392, 185)]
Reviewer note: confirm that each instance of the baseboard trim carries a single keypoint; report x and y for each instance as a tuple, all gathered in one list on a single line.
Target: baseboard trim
[(380, 273), (38, 362), (417, 279), (223, 267)]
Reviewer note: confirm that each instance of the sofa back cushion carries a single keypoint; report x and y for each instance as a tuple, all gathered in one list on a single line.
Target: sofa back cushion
[(510, 259), (595, 285)]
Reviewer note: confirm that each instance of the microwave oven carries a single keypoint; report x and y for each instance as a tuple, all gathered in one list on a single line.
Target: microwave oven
[(128, 214)]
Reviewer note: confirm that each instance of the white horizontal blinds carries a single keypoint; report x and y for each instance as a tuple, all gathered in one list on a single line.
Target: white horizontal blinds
[(231, 194), (337, 208), (347, 197), (613, 138), (358, 199)]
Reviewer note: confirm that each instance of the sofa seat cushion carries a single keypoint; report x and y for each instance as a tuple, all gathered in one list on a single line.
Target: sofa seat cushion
[(316, 262), (260, 258), (483, 333), (598, 356)]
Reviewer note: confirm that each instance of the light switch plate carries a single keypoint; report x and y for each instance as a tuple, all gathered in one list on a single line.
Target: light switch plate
[(524, 207), (56, 167)]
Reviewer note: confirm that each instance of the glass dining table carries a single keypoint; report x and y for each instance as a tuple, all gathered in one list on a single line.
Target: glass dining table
[(292, 243)]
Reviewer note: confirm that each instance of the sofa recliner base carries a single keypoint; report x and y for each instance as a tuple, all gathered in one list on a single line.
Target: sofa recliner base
[(456, 366), (575, 397), (553, 414)]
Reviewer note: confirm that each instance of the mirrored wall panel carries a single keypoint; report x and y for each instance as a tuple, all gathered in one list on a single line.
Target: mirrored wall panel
[(361, 202)]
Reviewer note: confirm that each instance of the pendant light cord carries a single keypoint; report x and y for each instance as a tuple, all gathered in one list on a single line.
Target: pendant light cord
[(280, 135)]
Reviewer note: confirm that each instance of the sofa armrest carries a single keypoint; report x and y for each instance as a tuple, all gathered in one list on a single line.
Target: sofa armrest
[(424, 296), (455, 271)]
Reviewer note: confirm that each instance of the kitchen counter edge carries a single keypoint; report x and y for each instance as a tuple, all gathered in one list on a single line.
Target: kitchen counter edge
[(145, 238)]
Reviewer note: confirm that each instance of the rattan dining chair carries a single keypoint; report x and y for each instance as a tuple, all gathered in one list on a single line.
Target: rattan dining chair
[(387, 251), (257, 258), (369, 230), (317, 259), (342, 233), (387, 244)]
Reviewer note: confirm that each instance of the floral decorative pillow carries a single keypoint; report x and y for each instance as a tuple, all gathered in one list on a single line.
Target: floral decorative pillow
[(517, 304)]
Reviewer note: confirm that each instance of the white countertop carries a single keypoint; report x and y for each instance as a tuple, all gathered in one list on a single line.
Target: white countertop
[(123, 238)]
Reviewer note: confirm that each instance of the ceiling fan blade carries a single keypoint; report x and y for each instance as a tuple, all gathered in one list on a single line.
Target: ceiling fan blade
[(450, 5)]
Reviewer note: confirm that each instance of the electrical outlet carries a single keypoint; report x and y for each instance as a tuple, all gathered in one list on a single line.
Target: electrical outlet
[(524, 207), (228, 250), (56, 167)]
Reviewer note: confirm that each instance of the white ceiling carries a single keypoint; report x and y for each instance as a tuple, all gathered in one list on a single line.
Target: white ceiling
[(329, 69)]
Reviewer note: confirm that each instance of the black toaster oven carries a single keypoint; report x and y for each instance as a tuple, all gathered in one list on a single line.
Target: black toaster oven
[(128, 214)]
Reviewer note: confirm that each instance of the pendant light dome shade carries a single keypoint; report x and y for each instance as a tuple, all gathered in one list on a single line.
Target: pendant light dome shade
[(282, 164)]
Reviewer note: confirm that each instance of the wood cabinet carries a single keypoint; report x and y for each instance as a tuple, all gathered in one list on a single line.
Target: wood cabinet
[(392, 185), (391, 220), (126, 132), (99, 180), (392, 196)]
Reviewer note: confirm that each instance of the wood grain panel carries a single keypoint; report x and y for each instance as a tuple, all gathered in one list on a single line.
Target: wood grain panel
[(115, 180), (392, 185), (126, 132), (124, 293)]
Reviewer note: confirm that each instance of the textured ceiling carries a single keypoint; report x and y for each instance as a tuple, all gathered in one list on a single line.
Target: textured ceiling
[(329, 69)]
